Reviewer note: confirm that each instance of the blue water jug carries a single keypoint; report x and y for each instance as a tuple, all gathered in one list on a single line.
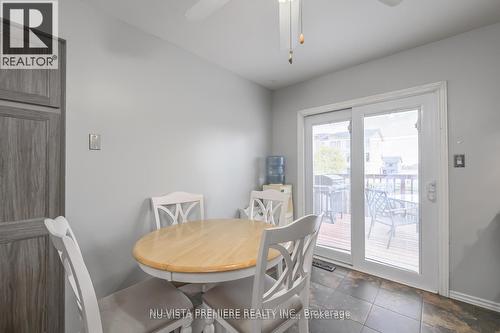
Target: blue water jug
[(275, 166)]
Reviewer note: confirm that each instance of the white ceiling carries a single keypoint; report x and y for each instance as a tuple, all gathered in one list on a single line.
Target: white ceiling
[(243, 36)]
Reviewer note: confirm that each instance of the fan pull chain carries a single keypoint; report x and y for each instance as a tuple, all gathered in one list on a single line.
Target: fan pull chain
[(301, 37), (290, 53)]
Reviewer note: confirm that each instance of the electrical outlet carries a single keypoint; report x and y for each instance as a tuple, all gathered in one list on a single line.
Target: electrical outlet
[(94, 141)]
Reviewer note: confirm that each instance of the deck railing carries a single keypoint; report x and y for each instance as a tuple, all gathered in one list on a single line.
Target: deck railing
[(399, 183), (334, 194)]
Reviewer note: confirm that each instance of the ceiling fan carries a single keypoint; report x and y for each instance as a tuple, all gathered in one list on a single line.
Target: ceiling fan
[(290, 16)]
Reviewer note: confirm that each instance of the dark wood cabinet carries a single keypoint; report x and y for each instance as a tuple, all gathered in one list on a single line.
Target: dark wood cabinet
[(32, 134)]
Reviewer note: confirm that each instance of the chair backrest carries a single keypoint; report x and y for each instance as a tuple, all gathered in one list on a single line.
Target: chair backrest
[(76, 272), (299, 237), (90, 308), (177, 206), (58, 228), (377, 201), (270, 201)]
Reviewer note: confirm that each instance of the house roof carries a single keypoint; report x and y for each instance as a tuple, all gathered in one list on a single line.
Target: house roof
[(392, 159)]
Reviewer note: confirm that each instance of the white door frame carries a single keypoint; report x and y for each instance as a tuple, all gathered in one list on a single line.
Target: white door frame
[(440, 89)]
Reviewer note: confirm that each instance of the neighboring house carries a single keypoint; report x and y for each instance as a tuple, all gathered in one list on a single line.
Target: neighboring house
[(392, 165), (373, 151), (342, 141)]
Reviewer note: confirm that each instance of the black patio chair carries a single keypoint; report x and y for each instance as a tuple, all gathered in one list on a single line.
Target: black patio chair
[(390, 212)]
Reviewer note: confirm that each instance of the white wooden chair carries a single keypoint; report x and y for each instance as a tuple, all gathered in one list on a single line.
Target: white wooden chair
[(269, 202), (178, 206), (261, 293), (128, 310), (58, 228)]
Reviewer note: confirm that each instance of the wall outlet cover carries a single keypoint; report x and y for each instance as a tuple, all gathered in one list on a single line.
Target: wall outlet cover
[(94, 142)]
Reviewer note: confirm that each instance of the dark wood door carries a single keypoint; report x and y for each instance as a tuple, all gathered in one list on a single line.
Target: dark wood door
[(31, 188), (35, 86)]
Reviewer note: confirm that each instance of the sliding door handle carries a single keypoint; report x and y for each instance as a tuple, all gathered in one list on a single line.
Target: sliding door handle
[(431, 191)]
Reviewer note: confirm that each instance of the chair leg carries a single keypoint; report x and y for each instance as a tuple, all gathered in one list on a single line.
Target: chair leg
[(328, 215), (186, 328), (392, 233), (304, 296), (303, 324), (371, 226), (279, 269), (209, 326), (209, 320)]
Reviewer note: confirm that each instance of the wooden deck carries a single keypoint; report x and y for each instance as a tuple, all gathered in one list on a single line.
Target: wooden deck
[(402, 253)]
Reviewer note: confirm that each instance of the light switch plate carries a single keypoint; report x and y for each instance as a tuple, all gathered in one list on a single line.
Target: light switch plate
[(459, 161), (94, 141)]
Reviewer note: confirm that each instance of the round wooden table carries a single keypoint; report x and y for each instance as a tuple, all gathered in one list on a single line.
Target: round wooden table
[(207, 251)]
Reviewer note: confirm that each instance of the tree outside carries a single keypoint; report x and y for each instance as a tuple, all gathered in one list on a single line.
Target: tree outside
[(329, 161)]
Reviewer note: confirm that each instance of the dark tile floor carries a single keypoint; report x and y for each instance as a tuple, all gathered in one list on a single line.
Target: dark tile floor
[(378, 305)]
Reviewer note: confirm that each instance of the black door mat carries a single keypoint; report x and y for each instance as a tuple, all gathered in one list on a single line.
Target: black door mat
[(323, 265)]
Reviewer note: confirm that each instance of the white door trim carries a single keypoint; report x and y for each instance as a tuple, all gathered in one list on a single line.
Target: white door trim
[(325, 118), (440, 88)]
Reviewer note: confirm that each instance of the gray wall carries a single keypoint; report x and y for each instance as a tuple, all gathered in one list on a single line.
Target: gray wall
[(169, 121), (471, 64)]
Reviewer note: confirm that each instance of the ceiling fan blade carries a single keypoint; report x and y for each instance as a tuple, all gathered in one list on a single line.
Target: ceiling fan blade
[(204, 8), (391, 3)]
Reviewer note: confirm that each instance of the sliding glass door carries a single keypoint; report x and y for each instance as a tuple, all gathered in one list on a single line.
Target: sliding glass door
[(391, 190), (372, 172)]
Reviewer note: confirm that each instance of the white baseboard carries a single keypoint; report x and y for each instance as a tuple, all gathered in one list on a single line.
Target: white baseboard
[(484, 303)]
